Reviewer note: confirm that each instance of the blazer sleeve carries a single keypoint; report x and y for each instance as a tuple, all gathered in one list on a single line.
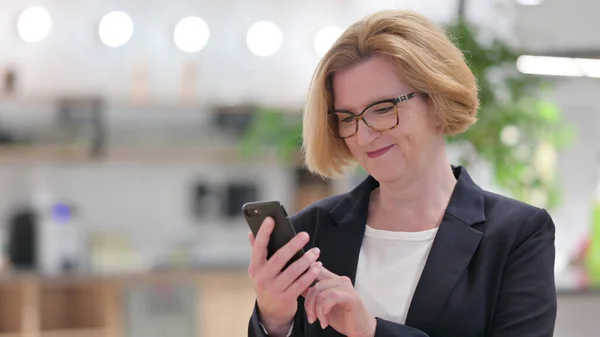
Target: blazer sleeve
[(384, 328), (526, 303), (390, 329), (256, 329)]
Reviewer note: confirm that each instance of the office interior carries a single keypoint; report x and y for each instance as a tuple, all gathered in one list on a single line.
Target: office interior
[(132, 131)]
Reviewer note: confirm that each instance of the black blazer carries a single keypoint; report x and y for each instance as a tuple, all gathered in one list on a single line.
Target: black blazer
[(490, 271)]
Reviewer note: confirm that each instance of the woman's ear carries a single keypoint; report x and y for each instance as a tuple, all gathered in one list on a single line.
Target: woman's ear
[(439, 128), (436, 118), (439, 123)]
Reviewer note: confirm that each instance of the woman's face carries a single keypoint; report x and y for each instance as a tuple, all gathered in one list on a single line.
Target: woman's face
[(399, 153)]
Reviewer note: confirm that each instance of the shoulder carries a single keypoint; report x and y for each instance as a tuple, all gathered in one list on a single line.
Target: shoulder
[(511, 219), (306, 219)]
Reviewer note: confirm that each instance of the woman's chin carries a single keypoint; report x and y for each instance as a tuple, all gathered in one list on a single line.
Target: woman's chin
[(387, 173)]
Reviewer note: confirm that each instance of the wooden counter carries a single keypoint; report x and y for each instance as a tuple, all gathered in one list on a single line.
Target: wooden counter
[(219, 303), (101, 306)]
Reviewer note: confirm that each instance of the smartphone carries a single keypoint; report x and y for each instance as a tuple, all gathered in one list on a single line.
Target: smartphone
[(256, 212)]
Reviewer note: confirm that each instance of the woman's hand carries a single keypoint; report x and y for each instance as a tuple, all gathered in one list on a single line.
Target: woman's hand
[(333, 301), (277, 291)]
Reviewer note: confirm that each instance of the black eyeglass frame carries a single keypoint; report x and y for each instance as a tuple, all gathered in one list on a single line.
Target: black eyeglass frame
[(395, 101)]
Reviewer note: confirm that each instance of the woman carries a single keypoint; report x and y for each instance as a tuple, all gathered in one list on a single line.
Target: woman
[(417, 249)]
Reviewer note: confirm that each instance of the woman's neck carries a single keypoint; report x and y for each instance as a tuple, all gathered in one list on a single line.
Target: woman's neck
[(415, 204)]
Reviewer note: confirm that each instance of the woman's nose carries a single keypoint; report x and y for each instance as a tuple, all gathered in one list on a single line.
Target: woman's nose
[(364, 134)]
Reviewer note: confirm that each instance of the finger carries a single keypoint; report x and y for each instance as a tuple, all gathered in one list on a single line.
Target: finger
[(325, 274), (319, 311), (303, 283), (251, 238), (311, 297), (293, 272), (333, 297), (326, 301), (261, 242), (283, 255)]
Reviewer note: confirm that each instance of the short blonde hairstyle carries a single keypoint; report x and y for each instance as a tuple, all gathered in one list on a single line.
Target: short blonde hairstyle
[(426, 59)]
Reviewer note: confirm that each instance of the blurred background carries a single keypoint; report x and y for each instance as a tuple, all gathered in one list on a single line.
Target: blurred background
[(132, 131)]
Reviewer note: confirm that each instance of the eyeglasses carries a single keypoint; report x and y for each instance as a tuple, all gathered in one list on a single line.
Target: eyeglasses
[(379, 116)]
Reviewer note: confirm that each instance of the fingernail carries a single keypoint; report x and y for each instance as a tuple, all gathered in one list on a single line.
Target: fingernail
[(319, 264), (323, 326), (315, 251)]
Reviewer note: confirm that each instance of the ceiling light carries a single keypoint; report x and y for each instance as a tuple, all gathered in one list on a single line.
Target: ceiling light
[(34, 24), (529, 2), (264, 38), (325, 38), (548, 65), (589, 67), (191, 34), (116, 29)]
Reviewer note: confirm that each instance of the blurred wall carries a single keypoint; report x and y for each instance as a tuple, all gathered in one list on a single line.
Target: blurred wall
[(559, 26), (150, 203), (578, 164), (73, 60)]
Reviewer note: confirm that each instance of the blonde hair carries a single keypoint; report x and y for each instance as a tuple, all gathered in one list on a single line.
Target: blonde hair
[(427, 61)]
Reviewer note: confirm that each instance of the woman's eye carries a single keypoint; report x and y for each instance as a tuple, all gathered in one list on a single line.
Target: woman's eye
[(383, 110)]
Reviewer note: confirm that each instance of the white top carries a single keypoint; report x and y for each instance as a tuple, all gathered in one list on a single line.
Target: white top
[(389, 267)]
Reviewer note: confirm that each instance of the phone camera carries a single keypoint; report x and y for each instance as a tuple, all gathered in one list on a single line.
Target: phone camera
[(252, 212)]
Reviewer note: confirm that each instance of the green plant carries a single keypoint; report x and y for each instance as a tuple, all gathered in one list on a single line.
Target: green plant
[(517, 133), (272, 129)]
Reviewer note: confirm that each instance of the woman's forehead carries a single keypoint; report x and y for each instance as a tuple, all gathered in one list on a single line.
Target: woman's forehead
[(368, 82)]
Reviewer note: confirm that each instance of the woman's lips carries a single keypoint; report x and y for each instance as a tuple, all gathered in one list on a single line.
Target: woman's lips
[(379, 152)]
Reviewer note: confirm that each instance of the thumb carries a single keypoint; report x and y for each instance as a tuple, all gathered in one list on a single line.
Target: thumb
[(251, 238), (325, 274)]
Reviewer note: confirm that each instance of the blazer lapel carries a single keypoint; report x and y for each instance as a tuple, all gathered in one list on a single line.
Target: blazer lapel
[(340, 232), (451, 252)]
